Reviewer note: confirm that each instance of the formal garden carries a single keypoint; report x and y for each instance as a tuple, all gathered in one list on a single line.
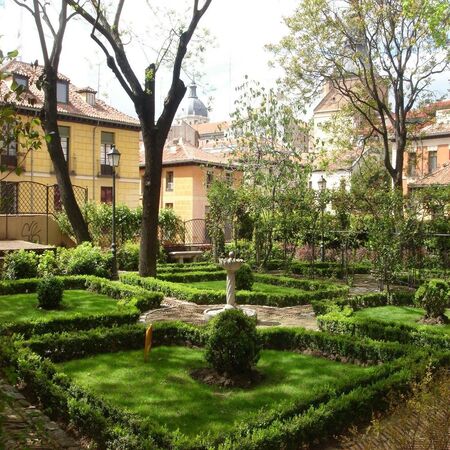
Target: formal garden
[(72, 339)]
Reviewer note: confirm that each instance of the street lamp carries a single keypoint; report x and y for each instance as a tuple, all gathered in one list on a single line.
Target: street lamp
[(322, 186), (113, 160)]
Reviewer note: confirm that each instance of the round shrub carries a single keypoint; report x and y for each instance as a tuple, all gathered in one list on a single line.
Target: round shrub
[(434, 297), (49, 292), (244, 278), (232, 346), (20, 264)]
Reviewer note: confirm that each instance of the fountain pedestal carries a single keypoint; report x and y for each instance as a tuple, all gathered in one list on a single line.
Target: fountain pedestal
[(231, 265)]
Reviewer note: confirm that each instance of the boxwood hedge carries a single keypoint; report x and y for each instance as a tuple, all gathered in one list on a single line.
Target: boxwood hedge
[(132, 300), (289, 425)]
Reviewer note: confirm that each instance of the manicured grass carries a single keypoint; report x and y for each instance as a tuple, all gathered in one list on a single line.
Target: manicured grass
[(402, 314), (220, 285), (163, 391), (23, 307)]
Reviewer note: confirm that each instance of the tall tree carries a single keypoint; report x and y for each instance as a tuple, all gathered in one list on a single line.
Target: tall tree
[(106, 32), (270, 152), (51, 52), (379, 55)]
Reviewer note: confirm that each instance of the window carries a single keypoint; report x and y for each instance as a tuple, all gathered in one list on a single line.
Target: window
[(412, 164), (209, 178), (105, 148), (229, 178), (168, 205), (21, 80), (169, 181), (8, 147), (106, 194), (8, 197), (62, 92), (64, 133), (432, 161)]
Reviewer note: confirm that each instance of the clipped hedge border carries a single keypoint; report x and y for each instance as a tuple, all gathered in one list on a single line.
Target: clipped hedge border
[(322, 414), (192, 277), (211, 297), (132, 299), (339, 323), (321, 269), (357, 302)]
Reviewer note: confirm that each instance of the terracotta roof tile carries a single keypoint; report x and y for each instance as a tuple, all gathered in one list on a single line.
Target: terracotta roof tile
[(183, 153), (440, 177), (211, 127), (76, 107)]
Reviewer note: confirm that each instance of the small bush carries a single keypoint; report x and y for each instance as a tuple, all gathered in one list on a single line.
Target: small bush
[(434, 297), (244, 278), (20, 264), (232, 346), (49, 293), (86, 259), (128, 256), (48, 264)]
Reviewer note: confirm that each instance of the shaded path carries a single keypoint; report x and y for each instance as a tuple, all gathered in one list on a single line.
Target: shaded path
[(22, 426)]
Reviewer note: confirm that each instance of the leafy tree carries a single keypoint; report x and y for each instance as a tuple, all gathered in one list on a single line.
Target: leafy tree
[(108, 34), (14, 127), (380, 56), (51, 52), (274, 166), (224, 205), (171, 226)]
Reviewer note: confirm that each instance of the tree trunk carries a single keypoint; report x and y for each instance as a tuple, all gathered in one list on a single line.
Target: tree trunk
[(50, 125), (149, 247)]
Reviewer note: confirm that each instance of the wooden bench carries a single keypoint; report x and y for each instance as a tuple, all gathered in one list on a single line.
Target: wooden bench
[(180, 256)]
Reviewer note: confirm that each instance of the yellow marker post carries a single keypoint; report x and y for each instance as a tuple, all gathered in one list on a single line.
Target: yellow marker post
[(148, 342)]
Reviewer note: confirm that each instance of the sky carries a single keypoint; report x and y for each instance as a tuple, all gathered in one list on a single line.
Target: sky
[(240, 28)]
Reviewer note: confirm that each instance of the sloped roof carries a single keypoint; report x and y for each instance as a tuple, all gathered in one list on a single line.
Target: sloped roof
[(440, 177), (211, 127), (184, 153), (77, 107)]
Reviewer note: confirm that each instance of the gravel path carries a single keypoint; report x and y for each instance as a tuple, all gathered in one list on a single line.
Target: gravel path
[(173, 309)]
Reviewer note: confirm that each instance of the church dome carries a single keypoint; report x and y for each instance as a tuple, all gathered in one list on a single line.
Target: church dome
[(193, 106)]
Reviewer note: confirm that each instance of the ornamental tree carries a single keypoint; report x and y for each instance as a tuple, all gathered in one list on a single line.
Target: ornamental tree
[(380, 56)]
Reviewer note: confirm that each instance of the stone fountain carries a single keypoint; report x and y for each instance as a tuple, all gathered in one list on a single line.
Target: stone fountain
[(231, 265)]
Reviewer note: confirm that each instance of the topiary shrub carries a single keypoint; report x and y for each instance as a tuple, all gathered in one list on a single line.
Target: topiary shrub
[(434, 297), (20, 264), (49, 293), (232, 346), (244, 278)]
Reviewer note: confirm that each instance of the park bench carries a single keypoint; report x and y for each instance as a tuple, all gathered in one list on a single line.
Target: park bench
[(182, 255)]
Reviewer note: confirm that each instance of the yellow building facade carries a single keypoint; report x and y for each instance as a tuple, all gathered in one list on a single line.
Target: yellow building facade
[(88, 128)]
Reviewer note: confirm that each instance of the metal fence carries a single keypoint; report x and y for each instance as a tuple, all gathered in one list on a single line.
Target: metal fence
[(30, 197)]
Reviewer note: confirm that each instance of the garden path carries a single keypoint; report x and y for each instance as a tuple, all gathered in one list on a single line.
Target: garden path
[(23, 426), (173, 309)]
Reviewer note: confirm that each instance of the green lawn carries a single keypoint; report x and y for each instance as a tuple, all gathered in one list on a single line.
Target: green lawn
[(220, 285), (406, 315), (23, 307), (163, 391)]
